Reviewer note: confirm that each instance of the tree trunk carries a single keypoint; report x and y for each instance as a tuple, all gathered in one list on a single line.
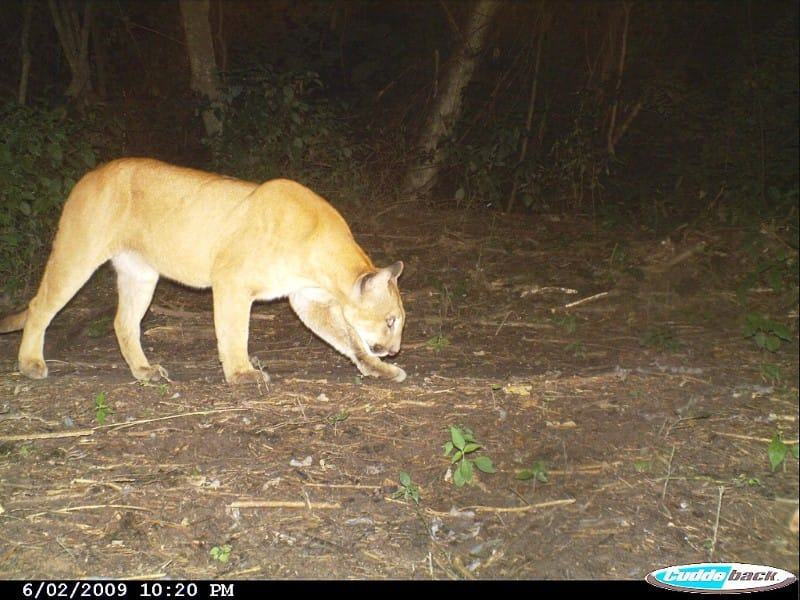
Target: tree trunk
[(200, 46), (446, 107), (544, 24), (222, 46), (25, 52), (74, 38), (611, 140), (100, 56)]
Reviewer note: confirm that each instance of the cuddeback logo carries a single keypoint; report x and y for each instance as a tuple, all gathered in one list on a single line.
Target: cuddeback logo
[(720, 578)]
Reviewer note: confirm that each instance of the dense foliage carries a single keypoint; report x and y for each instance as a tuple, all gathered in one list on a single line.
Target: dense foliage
[(284, 125), (43, 153), (700, 100)]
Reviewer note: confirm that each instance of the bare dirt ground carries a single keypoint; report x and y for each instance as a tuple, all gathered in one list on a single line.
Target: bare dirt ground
[(647, 406)]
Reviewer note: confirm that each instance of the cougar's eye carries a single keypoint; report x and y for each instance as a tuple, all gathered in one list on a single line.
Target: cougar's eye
[(390, 322)]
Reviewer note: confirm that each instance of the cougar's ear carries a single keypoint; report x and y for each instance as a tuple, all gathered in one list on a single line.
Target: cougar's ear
[(395, 270), (378, 280)]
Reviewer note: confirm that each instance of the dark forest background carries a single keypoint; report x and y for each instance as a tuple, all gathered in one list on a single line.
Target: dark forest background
[(645, 113)]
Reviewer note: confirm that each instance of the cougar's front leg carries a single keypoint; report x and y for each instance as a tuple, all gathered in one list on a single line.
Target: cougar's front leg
[(232, 324), (327, 321)]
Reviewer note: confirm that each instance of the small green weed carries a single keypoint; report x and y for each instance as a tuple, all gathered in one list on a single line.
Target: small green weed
[(619, 255), (743, 480), (408, 490), (438, 342), (577, 349), (778, 271), (537, 472), (221, 553), (461, 450), (100, 328), (771, 373), (339, 417), (101, 408), (778, 449), (661, 338), (568, 323), (766, 334)]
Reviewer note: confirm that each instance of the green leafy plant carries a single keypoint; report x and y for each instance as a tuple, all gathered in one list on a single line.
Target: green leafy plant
[(284, 124), (100, 328), (619, 255), (101, 408), (771, 373), (221, 553), (43, 152), (339, 417), (766, 334), (568, 323), (163, 388), (778, 449), (743, 480), (484, 169), (438, 342), (775, 269), (661, 338), (643, 465), (408, 490), (461, 450), (537, 472), (577, 349)]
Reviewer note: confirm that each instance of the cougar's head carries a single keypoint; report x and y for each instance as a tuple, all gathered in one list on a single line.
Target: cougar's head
[(376, 312)]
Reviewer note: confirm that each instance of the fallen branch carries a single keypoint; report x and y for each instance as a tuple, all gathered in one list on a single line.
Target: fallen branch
[(751, 438), (676, 260), (581, 301), (144, 577), (70, 509), (530, 291), (588, 470), (112, 426), (502, 509), (669, 474), (116, 426), (513, 509), (514, 324), (185, 314), (45, 436), (284, 504), (716, 525), (349, 486)]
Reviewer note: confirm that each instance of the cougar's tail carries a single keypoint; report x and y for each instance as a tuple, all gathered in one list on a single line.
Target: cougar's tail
[(13, 322)]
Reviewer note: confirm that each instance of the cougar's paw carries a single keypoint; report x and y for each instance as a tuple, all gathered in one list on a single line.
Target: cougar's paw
[(245, 377), (399, 375), (150, 373), (35, 368), (384, 370), (369, 371)]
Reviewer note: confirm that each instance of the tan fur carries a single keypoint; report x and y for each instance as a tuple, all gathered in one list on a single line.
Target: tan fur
[(246, 241)]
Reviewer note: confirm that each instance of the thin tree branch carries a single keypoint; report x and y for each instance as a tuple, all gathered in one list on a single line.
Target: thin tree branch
[(626, 7)]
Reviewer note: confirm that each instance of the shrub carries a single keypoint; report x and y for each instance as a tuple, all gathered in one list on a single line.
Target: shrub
[(281, 125), (43, 152)]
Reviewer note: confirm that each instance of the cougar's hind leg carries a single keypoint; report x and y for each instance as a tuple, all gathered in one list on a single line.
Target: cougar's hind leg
[(70, 265), (327, 321), (136, 282)]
